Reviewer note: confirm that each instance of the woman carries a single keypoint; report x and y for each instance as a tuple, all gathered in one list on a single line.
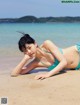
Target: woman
[(47, 55)]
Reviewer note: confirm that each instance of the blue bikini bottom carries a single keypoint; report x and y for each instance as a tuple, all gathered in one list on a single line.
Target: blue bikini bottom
[(78, 48)]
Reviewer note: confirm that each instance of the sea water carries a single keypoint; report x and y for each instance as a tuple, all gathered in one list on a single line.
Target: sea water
[(62, 34)]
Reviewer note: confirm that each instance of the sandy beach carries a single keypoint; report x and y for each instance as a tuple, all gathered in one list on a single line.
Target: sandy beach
[(62, 89)]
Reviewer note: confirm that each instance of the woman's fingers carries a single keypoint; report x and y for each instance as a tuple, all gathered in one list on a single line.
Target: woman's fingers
[(41, 76)]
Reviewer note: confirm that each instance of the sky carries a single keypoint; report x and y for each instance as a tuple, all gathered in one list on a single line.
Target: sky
[(38, 8)]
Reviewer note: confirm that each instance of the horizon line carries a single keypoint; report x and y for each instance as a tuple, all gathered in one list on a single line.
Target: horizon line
[(36, 16)]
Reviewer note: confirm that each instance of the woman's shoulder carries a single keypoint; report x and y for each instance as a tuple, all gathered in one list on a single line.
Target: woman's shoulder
[(44, 43), (47, 42)]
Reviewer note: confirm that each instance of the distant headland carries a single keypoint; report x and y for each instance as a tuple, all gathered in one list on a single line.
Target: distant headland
[(33, 19)]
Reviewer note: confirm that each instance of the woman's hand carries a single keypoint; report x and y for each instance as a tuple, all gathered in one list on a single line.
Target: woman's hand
[(42, 76), (27, 57)]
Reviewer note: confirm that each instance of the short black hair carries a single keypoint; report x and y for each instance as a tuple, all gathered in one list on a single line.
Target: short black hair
[(25, 39)]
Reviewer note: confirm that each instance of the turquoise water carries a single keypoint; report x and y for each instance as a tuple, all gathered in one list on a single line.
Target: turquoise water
[(62, 34)]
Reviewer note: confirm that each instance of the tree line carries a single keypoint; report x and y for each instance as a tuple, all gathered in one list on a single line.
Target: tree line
[(33, 19)]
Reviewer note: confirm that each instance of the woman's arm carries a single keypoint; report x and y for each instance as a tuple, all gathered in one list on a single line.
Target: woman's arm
[(58, 68), (57, 54), (29, 67), (60, 57), (18, 69)]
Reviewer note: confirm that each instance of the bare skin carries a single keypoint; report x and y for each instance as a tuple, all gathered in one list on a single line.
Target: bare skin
[(69, 59)]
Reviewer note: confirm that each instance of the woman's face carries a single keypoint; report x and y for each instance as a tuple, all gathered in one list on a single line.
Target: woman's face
[(30, 50)]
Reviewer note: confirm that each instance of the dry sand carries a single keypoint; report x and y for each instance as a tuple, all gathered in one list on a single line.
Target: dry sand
[(62, 89)]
